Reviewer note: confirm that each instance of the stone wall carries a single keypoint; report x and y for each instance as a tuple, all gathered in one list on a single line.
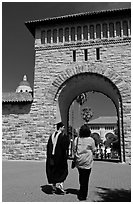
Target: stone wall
[(21, 140)]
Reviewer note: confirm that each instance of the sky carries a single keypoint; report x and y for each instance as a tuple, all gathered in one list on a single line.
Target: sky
[(18, 42)]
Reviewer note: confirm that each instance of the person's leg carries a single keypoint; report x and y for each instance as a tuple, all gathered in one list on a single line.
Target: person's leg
[(84, 175)]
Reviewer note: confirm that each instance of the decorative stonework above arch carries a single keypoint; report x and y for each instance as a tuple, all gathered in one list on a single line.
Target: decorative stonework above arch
[(70, 72)]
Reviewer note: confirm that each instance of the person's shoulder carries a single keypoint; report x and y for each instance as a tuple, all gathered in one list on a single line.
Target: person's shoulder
[(91, 139)]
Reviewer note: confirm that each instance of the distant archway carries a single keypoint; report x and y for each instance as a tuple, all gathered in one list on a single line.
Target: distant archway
[(85, 82), (97, 138)]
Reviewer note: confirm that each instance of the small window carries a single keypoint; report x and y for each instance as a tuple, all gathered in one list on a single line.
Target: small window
[(43, 37), (54, 36), (85, 33), (125, 28), (91, 32), (67, 34), (60, 35), (86, 54), (74, 55), (105, 33), (79, 33), (118, 29), (98, 53), (111, 30), (49, 36), (98, 31), (72, 34)]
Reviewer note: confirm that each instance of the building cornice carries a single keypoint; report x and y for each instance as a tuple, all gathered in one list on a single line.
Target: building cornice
[(84, 44)]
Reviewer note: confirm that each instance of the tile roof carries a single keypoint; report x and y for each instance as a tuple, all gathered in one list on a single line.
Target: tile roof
[(16, 97), (32, 24), (104, 120)]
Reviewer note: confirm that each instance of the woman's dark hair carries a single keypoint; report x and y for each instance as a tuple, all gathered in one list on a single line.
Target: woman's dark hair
[(84, 131)]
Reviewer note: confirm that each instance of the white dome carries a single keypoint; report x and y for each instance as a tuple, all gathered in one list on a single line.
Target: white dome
[(24, 86)]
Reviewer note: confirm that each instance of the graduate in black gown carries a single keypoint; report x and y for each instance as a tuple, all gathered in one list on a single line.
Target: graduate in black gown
[(56, 163)]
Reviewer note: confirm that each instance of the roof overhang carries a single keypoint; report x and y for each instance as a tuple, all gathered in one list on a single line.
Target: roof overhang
[(13, 97), (31, 25)]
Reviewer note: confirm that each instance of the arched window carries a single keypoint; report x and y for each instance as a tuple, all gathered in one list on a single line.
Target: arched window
[(79, 33), (105, 31), (98, 31), (125, 28), (67, 34), (72, 34), (118, 29), (49, 36), (91, 32), (60, 35), (111, 30), (42, 37), (85, 32), (55, 36)]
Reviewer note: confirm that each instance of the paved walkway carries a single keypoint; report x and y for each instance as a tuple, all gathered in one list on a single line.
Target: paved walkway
[(25, 181)]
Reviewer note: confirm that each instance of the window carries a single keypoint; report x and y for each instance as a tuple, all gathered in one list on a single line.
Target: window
[(60, 35), (98, 31), (125, 28), (98, 53), (85, 33), (54, 36), (72, 34), (43, 37), (91, 32), (104, 28), (111, 30), (118, 29), (49, 36), (86, 54), (74, 55), (67, 34), (78, 33)]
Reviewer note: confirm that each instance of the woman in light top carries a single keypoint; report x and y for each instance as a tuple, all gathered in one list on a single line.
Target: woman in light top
[(84, 145)]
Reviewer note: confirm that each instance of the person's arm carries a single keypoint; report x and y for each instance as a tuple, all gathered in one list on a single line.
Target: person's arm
[(92, 146)]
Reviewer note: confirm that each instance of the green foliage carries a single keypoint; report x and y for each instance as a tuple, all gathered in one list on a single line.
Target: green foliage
[(86, 114)]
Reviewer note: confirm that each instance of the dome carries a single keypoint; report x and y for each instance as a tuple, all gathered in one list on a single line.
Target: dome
[(24, 86)]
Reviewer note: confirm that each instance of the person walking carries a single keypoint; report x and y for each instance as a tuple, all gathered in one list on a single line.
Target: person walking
[(56, 162), (84, 145)]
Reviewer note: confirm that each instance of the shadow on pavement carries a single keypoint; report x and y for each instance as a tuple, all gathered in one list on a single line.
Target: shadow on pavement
[(47, 189), (72, 191), (114, 195)]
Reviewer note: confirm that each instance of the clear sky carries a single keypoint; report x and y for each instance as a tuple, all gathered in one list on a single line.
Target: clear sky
[(17, 41)]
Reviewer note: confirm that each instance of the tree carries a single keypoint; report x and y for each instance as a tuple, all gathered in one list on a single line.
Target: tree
[(81, 99), (86, 114)]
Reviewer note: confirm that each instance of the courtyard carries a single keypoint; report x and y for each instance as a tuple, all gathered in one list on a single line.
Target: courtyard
[(25, 181)]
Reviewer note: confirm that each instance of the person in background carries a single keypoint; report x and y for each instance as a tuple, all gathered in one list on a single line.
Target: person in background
[(84, 159), (56, 162)]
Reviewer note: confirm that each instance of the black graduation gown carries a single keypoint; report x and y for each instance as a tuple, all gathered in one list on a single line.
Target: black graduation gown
[(58, 171)]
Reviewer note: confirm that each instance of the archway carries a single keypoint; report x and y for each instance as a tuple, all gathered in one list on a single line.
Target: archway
[(85, 82)]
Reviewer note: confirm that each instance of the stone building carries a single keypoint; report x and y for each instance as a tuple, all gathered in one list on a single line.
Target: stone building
[(102, 126), (74, 54)]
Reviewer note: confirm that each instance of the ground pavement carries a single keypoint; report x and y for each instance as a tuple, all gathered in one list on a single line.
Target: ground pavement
[(25, 181)]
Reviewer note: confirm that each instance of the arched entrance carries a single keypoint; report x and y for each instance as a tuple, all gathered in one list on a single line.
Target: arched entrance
[(85, 82)]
